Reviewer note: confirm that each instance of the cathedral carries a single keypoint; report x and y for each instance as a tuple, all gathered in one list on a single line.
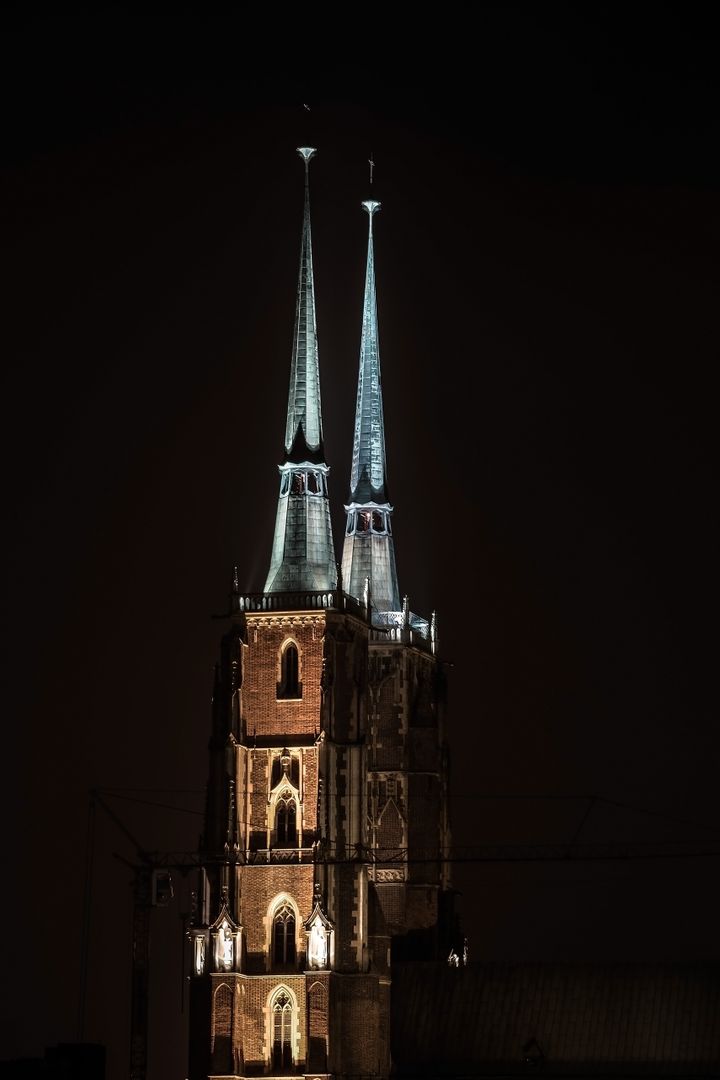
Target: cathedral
[(323, 938), (325, 852)]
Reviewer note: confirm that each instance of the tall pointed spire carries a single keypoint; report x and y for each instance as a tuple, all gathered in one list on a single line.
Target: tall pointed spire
[(304, 421), (303, 555), (368, 550)]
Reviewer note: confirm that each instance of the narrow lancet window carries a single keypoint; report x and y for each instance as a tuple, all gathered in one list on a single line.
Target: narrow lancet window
[(284, 937), (282, 1032), (289, 685), (286, 822)]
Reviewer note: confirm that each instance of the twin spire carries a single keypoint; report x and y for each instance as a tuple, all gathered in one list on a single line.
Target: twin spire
[(304, 418), (303, 556), (368, 550)]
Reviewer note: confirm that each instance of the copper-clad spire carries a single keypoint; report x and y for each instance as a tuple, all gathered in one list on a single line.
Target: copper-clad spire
[(304, 420), (303, 555), (368, 550)]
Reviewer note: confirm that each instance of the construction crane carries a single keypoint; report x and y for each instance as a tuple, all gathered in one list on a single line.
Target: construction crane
[(152, 887)]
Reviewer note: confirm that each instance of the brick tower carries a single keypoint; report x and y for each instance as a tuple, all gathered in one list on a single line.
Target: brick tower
[(326, 832)]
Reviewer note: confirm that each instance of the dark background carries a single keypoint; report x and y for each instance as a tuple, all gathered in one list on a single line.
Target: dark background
[(547, 260)]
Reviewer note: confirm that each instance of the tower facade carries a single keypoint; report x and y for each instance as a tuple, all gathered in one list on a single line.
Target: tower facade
[(324, 853)]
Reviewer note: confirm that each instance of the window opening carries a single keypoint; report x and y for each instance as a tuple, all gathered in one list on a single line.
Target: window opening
[(282, 1032), (286, 822), (284, 936), (289, 686)]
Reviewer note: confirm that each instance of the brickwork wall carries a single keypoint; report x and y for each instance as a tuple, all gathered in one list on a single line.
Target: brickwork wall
[(318, 1022), (405, 789), (421, 710), (337, 809), (242, 788), (226, 1024), (392, 902), (345, 678), (341, 1023), (259, 885), (389, 724), (263, 713), (345, 909), (241, 1021), (258, 799), (310, 773), (359, 1012), (348, 691), (390, 831), (257, 1036), (260, 774)]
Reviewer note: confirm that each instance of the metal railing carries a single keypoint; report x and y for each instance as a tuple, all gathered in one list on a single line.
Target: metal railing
[(281, 855)]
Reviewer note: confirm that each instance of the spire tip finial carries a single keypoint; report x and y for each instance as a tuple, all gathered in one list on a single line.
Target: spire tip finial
[(306, 152)]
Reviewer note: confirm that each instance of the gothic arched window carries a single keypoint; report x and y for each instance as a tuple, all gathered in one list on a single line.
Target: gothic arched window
[(284, 936), (282, 1032), (289, 685), (286, 821)]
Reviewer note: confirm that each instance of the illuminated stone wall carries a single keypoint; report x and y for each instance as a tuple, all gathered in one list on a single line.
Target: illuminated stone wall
[(359, 753)]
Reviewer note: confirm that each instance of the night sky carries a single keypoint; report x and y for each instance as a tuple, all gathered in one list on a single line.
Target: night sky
[(547, 266)]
